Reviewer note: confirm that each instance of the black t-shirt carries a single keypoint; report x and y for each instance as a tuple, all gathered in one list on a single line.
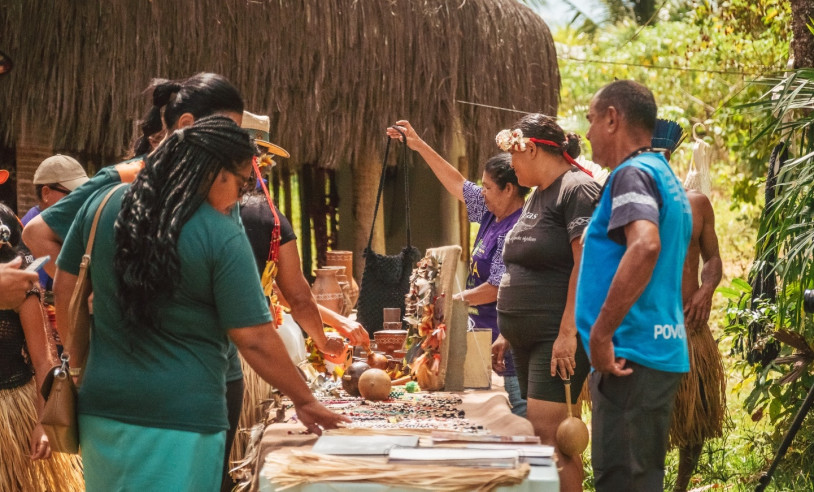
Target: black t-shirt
[(259, 222), (537, 251)]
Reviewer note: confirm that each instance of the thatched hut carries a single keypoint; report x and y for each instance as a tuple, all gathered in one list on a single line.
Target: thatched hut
[(332, 74)]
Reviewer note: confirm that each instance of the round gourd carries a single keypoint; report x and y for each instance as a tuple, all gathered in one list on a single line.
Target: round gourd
[(377, 361), (572, 436), (374, 384), (350, 380)]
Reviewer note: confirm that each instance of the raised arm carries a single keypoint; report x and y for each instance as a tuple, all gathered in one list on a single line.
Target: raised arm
[(446, 173)]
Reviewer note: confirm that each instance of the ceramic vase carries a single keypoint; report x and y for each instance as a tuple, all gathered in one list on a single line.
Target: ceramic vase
[(345, 258), (327, 291)]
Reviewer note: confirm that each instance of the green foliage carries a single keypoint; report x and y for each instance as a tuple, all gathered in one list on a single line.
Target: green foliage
[(698, 65), (787, 228)]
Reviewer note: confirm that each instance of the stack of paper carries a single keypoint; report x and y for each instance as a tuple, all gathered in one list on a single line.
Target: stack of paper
[(362, 445), (486, 458)]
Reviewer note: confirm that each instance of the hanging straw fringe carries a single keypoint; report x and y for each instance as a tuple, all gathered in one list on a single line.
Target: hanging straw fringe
[(700, 404), (302, 468), (18, 416), (256, 395), (342, 69)]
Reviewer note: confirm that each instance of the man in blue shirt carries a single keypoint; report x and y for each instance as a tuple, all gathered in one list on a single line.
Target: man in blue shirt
[(629, 300)]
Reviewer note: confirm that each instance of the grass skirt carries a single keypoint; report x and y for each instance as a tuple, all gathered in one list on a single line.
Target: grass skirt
[(18, 416), (700, 404), (256, 396)]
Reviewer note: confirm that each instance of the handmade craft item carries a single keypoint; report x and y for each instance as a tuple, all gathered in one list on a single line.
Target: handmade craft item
[(427, 329), (350, 380), (572, 433), (374, 384)]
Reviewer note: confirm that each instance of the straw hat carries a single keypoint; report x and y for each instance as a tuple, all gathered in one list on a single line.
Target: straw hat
[(258, 127)]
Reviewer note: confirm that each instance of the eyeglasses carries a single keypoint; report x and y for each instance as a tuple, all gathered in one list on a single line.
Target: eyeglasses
[(59, 188), (249, 182)]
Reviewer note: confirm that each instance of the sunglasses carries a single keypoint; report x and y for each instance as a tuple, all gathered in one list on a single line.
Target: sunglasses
[(59, 188), (249, 182)]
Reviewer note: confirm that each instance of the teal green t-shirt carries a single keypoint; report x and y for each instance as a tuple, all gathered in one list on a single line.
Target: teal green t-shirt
[(173, 377), (60, 215)]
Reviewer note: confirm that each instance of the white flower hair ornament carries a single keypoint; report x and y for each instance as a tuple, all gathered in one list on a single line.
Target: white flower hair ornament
[(508, 140)]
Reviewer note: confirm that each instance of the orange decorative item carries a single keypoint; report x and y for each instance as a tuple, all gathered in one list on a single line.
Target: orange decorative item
[(572, 433), (388, 341), (374, 384), (344, 258), (327, 291)]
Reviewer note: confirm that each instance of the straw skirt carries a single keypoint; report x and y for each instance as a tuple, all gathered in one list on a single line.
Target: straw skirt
[(700, 404), (18, 416)]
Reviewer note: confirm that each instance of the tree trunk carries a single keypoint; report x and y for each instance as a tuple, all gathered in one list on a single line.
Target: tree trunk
[(802, 43)]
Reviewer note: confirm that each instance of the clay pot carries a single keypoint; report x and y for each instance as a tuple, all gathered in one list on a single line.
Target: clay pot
[(388, 341), (350, 380), (374, 384), (344, 258), (327, 291)]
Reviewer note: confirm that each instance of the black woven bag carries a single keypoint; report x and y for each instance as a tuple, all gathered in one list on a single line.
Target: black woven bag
[(386, 278)]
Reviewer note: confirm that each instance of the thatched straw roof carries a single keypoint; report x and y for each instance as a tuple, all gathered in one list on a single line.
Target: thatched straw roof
[(331, 73)]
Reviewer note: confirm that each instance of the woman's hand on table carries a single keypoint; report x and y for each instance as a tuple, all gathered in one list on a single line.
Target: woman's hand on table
[(315, 417), (563, 361), (499, 348)]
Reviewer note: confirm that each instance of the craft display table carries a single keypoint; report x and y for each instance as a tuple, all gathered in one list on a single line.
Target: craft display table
[(489, 409)]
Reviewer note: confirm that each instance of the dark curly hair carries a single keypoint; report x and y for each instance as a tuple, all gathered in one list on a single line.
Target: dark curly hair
[(499, 169), (201, 95), (174, 182)]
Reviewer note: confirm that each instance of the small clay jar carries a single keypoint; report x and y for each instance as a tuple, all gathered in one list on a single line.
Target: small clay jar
[(344, 258), (327, 291)]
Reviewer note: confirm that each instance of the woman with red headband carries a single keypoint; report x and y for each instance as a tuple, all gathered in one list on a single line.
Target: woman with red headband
[(535, 301)]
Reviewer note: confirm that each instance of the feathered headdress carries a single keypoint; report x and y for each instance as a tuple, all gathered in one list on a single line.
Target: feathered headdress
[(667, 135)]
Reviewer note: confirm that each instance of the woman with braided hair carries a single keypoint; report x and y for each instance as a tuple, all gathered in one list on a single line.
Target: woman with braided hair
[(175, 104), (174, 280)]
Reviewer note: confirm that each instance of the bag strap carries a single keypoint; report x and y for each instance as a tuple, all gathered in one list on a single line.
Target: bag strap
[(403, 163), (82, 291)]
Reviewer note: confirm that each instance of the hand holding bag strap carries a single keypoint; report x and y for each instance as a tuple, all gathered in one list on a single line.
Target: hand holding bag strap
[(402, 161), (78, 323)]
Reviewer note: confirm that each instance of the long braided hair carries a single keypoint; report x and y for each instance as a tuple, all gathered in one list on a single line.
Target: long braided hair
[(201, 95), (174, 182)]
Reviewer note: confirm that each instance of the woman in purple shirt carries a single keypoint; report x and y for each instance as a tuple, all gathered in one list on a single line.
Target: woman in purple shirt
[(496, 206)]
